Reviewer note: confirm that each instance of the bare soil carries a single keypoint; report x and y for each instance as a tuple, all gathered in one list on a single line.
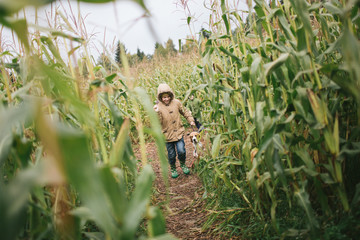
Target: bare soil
[(186, 212)]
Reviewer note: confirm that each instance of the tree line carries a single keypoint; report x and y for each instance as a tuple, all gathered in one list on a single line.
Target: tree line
[(160, 51)]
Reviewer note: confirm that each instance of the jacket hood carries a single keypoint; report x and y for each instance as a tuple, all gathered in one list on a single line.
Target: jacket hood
[(164, 88)]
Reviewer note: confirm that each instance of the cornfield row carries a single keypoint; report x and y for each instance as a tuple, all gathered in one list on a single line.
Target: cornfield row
[(68, 170), (283, 98), (280, 94)]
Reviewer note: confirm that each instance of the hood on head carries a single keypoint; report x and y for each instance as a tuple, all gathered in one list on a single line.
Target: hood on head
[(164, 88)]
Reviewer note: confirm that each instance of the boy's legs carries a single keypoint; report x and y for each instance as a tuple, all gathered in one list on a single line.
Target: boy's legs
[(181, 151), (170, 147)]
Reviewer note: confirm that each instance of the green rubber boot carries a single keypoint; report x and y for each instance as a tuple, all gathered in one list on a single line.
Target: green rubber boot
[(184, 168), (174, 173)]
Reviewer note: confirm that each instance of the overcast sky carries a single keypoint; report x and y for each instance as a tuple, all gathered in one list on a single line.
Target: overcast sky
[(124, 21), (127, 25)]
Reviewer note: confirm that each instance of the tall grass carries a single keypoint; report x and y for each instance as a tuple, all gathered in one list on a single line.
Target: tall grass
[(283, 120)]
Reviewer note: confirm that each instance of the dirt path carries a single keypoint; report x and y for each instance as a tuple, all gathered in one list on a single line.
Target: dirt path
[(187, 212)]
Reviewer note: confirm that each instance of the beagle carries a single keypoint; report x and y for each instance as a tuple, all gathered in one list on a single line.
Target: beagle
[(195, 139)]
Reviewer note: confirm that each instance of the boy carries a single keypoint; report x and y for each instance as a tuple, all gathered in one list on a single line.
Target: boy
[(169, 110)]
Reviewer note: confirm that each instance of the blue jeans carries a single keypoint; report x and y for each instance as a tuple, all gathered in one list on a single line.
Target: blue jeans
[(180, 149)]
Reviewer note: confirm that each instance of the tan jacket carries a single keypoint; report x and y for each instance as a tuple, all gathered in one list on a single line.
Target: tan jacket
[(170, 115)]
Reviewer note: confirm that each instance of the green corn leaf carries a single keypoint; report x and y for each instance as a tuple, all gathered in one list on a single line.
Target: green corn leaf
[(18, 25), (8, 7), (110, 78), (188, 20), (115, 188), (255, 69), (226, 22), (275, 64), (10, 119), (53, 49), (230, 146), (233, 56), (333, 9), (268, 157), (301, 9), (155, 130), (258, 8), (283, 23), (280, 169), (83, 213), (138, 202), (324, 25), (14, 198), (305, 157), (259, 118), (72, 38), (59, 85), (303, 200), (321, 196), (157, 226), (95, 235), (216, 147), (6, 140), (118, 149), (343, 197), (223, 6), (300, 110), (301, 39), (117, 115), (23, 148), (79, 168)]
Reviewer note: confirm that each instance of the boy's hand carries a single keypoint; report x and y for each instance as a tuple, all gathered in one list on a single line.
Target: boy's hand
[(192, 123), (156, 108)]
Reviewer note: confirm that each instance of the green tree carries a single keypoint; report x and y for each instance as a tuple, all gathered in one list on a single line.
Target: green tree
[(170, 47), (140, 55), (120, 47), (160, 51)]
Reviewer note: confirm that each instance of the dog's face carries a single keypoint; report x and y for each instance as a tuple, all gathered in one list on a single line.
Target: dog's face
[(194, 137)]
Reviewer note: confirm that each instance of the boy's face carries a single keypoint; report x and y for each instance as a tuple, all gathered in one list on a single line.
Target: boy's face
[(166, 98)]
